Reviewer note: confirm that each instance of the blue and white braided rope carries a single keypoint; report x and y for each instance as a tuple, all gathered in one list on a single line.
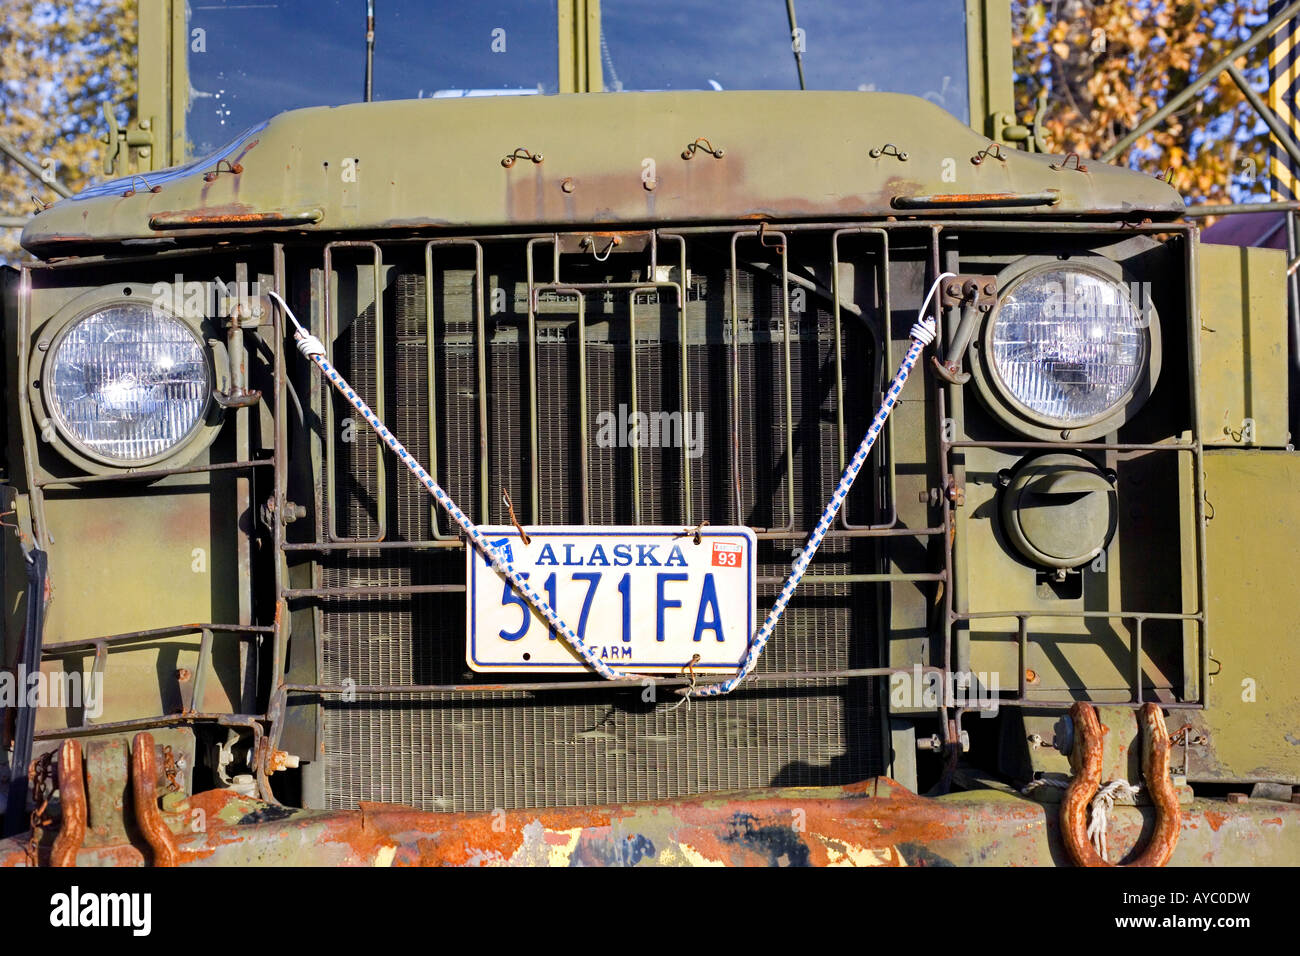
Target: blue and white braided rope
[(311, 347), (921, 335)]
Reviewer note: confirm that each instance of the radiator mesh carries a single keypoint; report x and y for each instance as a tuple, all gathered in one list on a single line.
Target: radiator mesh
[(503, 749)]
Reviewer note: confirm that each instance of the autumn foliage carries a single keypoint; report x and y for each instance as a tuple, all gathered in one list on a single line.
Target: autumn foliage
[(59, 61), (1108, 64)]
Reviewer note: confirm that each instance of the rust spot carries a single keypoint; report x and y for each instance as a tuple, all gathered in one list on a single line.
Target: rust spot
[(973, 197), (1215, 819), (211, 218)]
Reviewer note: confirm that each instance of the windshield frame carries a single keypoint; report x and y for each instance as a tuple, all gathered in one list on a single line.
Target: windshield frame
[(163, 78)]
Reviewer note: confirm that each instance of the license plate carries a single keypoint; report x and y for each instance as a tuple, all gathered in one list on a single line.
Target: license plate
[(645, 599)]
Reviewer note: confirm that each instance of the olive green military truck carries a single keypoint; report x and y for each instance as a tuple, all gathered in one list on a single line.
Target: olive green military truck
[(628, 285)]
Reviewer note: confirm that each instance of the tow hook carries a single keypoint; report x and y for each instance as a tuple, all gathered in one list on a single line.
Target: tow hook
[(1086, 766), (976, 294), (144, 793), (72, 798)]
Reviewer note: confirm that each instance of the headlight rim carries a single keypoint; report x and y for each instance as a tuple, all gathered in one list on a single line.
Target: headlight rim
[(1008, 409), (59, 436)]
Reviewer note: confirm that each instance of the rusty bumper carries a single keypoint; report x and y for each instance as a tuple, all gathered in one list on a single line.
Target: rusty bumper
[(873, 823)]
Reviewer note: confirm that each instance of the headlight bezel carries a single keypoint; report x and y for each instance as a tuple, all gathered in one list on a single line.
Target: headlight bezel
[(1008, 409), (49, 425)]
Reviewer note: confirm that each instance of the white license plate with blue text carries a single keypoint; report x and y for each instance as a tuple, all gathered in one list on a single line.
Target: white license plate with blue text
[(643, 599)]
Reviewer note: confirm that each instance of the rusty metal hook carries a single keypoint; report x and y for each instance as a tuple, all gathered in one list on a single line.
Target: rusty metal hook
[(211, 175), (589, 244), (703, 145), (993, 150), (889, 149), (778, 244), (1085, 764), (1065, 163), (521, 152), (130, 189)]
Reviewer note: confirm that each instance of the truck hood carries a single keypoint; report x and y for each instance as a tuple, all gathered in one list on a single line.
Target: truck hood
[(594, 159)]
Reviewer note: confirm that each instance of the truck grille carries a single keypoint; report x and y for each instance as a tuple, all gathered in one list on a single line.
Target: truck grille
[(397, 615)]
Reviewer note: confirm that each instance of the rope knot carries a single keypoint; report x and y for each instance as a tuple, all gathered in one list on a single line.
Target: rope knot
[(923, 330), (1102, 805), (308, 344)]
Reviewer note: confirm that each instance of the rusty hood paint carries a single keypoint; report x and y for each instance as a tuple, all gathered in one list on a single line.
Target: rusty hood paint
[(606, 159)]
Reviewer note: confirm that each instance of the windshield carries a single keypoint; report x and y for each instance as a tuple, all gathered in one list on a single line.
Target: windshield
[(916, 47), (251, 59)]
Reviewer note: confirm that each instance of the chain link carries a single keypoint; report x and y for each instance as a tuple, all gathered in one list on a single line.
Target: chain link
[(39, 777)]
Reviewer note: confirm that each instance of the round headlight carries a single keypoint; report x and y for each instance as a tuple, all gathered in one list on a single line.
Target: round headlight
[(128, 383), (1071, 348), (1067, 345)]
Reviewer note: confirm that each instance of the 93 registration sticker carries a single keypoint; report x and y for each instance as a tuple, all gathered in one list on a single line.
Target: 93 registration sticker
[(647, 599), (727, 554)]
